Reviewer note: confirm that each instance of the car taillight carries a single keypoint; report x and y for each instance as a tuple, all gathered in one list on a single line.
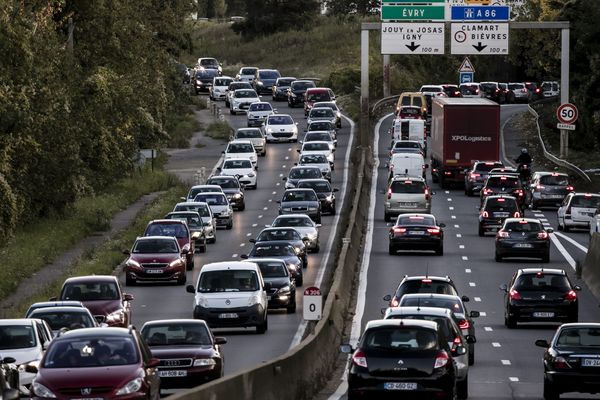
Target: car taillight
[(476, 91), (571, 295), (502, 234), (359, 358), (560, 363), (426, 194), (542, 235), (514, 295), (570, 188), (517, 214), (474, 175), (400, 230), (447, 173), (389, 193), (537, 90), (519, 192), (523, 90), (457, 341), (394, 302), (539, 187), (487, 191), (463, 324), (441, 359), (433, 231), (485, 214)]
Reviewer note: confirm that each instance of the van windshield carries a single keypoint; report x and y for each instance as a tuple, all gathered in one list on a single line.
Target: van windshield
[(230, 280)]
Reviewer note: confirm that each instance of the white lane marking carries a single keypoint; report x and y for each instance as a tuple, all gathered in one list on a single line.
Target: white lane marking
[(477, 298), (496, 344), (265, 208), (281, 175), (467, 270), (456, 226), (278, 184), (447, 192), (461, 246), (451, 208), (482, 314), (539, 215), (270, 200), (242, 244), (505, 362), (562, 250), (143, 305), (458, 235), (513, 379), (465, 258), (234, 255), (283, 166), (573, 242), (453, 216), (289, 149), (287, 157), (260, 216), (254, 225), (319, 279), (250, 234), (449, 199), (275, 193), (487, 328), (472, 284), (543, 219)]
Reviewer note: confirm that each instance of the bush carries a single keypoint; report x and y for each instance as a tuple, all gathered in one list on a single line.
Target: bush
[(8, 209)]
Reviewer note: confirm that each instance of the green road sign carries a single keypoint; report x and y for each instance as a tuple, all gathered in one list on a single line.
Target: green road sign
[(409, 13)]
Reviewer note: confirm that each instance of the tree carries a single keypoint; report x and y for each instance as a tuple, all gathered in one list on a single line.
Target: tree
[(345, 7)]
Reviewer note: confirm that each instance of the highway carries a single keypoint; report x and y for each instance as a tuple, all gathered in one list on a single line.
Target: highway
[(508, 365)]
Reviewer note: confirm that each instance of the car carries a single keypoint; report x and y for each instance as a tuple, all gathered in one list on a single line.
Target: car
[(303, 201), (60, 319), (194, 190), (451, 90), (571, 360), (255, 136), (504, 171), (283, 285), (281, 86), (288, 235), (203, 79), (195, 225), (233, 86), (470, 89), (179, 230), (577, 210), (521, 94), (406, 146), (451, 333), (209, 63), (233, 189), (430, 92), (281, 250), (494, 210), (156, 259), (264, 79), (241, 99), (492, 91), (423, 284), (316, 94), (231, 294), (549, 189), (476, 176), (523, 237), (295, 94), (406, 165), (336, 109), (509, 95), (317, 160), (188, 351), (242, 169), (258, 112), (246, 74), (280, 128), (534, 90), (302, 223), (550, 88), (108, 362), (540, 295), (24, 341), (450, 302), (218, 89), (9, 379), (242, 149), (410, 112), (320, 136), (595, 223), (322, 126), (503, 184), (428, 366), (208, 219), (318, 147), (301, 172), (416, 232), (220, 207), (415, 99), (321, 114), (43, 304), (102, 295), (406, 194), (325, 192)]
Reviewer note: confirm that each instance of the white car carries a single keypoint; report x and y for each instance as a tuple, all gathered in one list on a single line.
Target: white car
[(242, 168), (258, 113), (577, 210), (303, 224), (281, 128), (254, 135), (317, 160), (433, 91), (472, 89), (241, 99), (194, 190), (241, 149), (246, 74), (595, 223), (208, 219), (233, 86), (209, 63), (318, 147), (218, 90)]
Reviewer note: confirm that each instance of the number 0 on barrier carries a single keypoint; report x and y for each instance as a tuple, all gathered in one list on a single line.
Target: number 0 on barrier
[(313, 303)]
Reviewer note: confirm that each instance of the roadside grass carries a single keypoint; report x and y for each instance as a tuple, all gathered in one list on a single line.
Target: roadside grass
[(42, 241), (107, 257), (181, 128), (219, 130)]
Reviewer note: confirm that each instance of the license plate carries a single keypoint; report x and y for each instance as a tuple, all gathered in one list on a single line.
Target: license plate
[(154, 271), (524, 245), (172, 374), (400, 386), (416, 233), (407, 204), (500, 214), (554, 196), (543, 314), (228, 315), (590, 362)]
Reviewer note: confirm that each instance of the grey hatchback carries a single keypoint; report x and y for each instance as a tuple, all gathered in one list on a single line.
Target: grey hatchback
[(301, 201)]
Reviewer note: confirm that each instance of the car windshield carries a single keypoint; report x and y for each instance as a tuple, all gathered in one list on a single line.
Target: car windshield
[(195, 190), (443, 323), (317, 186), (523, 226), (327, 104), (223, 81), (248, 71), (268, 74), (176, 334), (230, 280), (312, 146), (206, 73), (579, 337), (503, 182), (501, 204), (427, 301), (293, 221), (278, 234), (432, 89), (177, 230), (319, 96), (305, 173), (212, 199), (209, 62), (64, 319), (225, 183), (201, 209), (321, 113), (237, 164), (17, 337), (317, 136), (313, 159), (272, 250), (542, 282), (272, 269), (248, 133), (101, 351), (415, 220), (193, 221), (284, 82), (585, 201), (425, 285), (260, 107), (400, 339), (554, 180), (280, 120), (406, 144), (239, 85), (320, 126), (245, 94), (487, 167), (407, 186), (150, 246), (90, 291), (299, 195), (240, 148), (302, 85)]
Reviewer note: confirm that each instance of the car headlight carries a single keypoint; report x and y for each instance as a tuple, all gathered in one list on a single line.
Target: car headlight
[(131, 387), (312, 208), (329, 198), (202, 301), (312, 236), (293, 94), (251, 175), (198, 82), (289, 185), (295, 130), (297, 250), (133, 263), (237, 196), (284, 290), (115, 316), (286, 208), (292, 267), (270, 130), (42, 391), (173, 263), (204, 362), (254, 299)]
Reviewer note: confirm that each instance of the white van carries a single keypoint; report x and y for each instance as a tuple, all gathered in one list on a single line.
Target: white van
[(231, 294), (218, 90), (407, 164), (410, 129)]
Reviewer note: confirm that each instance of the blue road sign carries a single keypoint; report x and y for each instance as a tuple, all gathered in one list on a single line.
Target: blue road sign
[(480, 13), (466, 77)]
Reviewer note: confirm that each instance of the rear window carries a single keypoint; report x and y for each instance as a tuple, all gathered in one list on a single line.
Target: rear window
[(543, 282), (407, 144), (16, 337), (579, 337), (416, 220), (248, 71), (405, 101), (555, 180), (225, 183), (425, 286), (513, 86), (222, 82), (407, 186), (315, 146), (523, 226), (284, 82), (302, 85), (469, 89), (293, 221), (432, 89), (319, 96), (585, 201), (504, 204), (245, 94), (260, 107), (299, 195), (487, 167), (272, 269), (239, 85), (503, 182), (400, 338), (320, 126), (450, 304), (268, 74), (235, 164), (212, 199), (305, 173), (489, 86), (248, 133), (313, 159), (317, 186)]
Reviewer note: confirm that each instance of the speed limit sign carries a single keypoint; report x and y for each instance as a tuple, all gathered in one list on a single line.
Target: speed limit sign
[(567, 113), (313, 304)]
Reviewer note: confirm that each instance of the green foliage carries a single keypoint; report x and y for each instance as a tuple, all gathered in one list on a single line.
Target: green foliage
[(8, 210), (344, 8), (219, 130)]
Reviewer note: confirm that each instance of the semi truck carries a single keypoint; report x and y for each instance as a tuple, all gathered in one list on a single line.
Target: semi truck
[(463, 130)]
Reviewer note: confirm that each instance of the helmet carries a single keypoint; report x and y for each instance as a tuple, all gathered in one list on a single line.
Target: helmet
[(524, 150)]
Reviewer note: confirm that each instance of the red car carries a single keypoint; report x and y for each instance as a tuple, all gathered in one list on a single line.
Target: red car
[(156, 258), (410, 112), (102, 295), (313, 95), (96, 363), (179, 230)]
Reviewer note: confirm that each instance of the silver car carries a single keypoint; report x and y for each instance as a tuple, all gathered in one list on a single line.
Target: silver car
[(321, 114), (208, 219), (304, 225), (220, 207), (317, 160), (258, 113), (520, 91), (303, 201), (406, 195)]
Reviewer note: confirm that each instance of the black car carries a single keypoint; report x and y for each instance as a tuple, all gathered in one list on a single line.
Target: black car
[(281, 86), (325, 192), (416, 232), (287, 234), (203, 79), (504, 184), (452, 90), (572, 360), (233, 189), (283, 286), (423, 284), (509, 95), (295, 94), (301, 201), (534, 89), (427, 365), (549, 189), (523, 237), (301, 172), (492, 91), (540, 295), (264, 79), (195, 224), (280, 250), (476, 176), (495, 210)]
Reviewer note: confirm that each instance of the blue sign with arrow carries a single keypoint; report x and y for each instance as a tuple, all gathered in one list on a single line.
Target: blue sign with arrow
[(480, 13)]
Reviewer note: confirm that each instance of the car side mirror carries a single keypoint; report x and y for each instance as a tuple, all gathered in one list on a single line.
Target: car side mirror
[(346, 349), (220, 340), (244, 256), (274, 110), (126, 252), (336, 189), (504, 287), (465, 299), (387, 297), (470, 339), (474, 314), (542, 343), (426, 165), (190, 289), (577, 287), (298, 150), (318, 225), (252, 240), (9, 360), (195, 235), (32, 369), (153, 363), (128, 297)]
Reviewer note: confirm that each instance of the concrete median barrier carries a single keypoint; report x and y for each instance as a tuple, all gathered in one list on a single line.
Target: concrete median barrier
[(591, 266)]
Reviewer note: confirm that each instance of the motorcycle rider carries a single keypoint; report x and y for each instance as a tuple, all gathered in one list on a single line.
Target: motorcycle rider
[(524, 158)]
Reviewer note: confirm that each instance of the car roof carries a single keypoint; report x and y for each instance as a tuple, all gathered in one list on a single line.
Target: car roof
[(311, 180), (550, 173), (60, 309), (400, 177), (305, 167), (535, 220), (299, 190), (192, 203), (411, 310), (237, 159), (96, 332), (382, 323), (421, 277), (168, 221), (189, 321), (154, 237), (274, 242), (432, 296), (57, 303), (265, 259), (229, 265), (292, 216), (95, 278), (17, 321)]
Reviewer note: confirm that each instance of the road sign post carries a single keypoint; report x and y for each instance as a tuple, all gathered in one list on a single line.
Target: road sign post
[(313, 304)]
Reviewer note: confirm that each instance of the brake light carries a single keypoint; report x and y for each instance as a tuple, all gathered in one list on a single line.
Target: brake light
[(447, 173), (517, 214), (560, 363), (463, 324), (523, 221), (399, 230), (587, 195), (426, 280), (394, 302), (570, 188), (457, 340), (519, 192), (476, 91), (542, 235), (485, 214), (433, 231), (426, 194), (539, 187), (571, 295), (359, 358), (487, 191), (416, 217), (502, 178), (503, 234), (474, 175), (389, 193), (523, 90), (537, 90), (441, 359), (514, 295), (501, 200)]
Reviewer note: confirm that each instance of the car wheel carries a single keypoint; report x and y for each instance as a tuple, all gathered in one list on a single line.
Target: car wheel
[(317, 249), (291, 308), (202, 248), (333, 210), (229, 225), (471, 354), (129, 281), (498, 257), (546, 257), (262, 328), (510, 322), (462, 388), (481, 231), (299, 280), (439, 251), (550, 392), (391, 250), (469, 193), (242, 207), (565, 227)]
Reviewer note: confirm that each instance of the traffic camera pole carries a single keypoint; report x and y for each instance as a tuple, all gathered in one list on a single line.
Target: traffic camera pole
[(564, 87)]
